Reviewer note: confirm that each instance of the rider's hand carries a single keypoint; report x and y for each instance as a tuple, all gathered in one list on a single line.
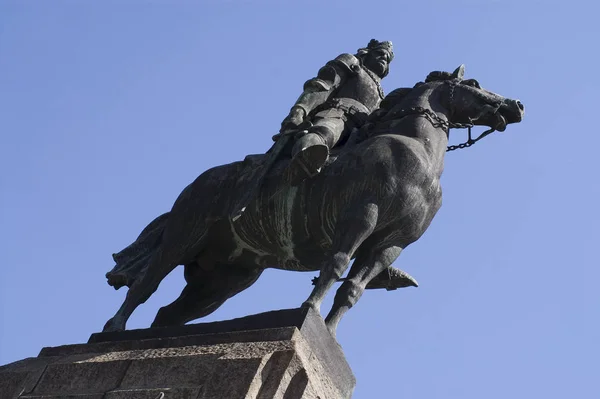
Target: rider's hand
[(293, 120)]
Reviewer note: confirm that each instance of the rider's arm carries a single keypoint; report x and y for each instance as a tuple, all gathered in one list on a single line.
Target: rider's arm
[(319, 89)]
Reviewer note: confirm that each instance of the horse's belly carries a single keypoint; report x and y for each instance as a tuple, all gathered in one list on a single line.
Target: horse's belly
[(270, 229)]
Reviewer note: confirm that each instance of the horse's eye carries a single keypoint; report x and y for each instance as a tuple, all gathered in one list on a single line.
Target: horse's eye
[(471, 82)]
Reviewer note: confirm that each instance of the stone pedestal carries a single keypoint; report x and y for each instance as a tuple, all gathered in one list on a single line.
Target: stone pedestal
[(286, 354)]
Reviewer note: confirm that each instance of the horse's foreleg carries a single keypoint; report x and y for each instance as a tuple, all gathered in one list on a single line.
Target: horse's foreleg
[(366, 267), (353, 228)]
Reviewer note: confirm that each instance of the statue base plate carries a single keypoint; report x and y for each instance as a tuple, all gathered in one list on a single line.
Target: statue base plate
[(287, 354)]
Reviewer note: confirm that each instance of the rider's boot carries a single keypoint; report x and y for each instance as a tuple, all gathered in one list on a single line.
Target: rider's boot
[(309, 154)]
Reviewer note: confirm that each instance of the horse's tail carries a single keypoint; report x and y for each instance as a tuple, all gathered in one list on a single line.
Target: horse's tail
[(131, 262)]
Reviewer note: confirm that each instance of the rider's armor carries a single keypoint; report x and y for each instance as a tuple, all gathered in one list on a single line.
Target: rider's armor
[(338, 99)]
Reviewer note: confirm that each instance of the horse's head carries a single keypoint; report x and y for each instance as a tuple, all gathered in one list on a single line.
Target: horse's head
[(468, 103), (447, 100)]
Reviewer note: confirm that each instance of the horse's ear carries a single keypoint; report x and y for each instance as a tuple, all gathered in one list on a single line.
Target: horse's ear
[(459, 73)]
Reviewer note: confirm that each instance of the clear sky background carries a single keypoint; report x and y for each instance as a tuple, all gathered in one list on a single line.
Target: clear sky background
[(108, 109)]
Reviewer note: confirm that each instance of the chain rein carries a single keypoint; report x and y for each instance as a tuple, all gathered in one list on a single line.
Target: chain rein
[(437, 121), (450, 125)]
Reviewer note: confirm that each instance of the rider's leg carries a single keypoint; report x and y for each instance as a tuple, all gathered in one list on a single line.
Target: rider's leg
[(310, 152)]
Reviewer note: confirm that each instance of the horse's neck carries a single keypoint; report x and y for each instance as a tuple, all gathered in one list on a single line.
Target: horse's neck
[(399, 120), (407, 119), (426, 98)]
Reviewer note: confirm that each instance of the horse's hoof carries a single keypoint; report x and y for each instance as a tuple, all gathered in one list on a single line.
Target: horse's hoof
[(310, 305), (332, 332), (112, 326), (161, 319)]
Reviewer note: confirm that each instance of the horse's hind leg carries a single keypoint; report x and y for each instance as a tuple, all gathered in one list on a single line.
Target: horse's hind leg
[(160, 266), (206, 293), (355, 226), (367, 266)]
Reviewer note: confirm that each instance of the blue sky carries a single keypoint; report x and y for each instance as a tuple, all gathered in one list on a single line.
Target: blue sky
[(109, 109)]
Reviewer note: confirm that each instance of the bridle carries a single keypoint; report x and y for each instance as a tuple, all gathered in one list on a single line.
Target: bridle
[(470, 141), (438, 121)]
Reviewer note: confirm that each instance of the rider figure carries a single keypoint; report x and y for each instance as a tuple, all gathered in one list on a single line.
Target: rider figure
[(342, 95)]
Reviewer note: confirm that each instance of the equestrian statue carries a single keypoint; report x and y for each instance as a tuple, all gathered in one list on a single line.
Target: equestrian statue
[(352, 175)]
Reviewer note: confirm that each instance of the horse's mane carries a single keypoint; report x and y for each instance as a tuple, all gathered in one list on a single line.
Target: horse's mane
[(396, 96), (436, 76)]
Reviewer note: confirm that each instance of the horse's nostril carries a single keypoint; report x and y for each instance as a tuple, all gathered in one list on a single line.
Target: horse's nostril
[(520, 105)]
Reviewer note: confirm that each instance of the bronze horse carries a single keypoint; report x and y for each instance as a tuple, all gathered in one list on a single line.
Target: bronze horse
[(377, 195)]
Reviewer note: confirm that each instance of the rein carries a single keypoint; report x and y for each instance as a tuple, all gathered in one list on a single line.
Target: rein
[(437, 121), (470, 141)]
